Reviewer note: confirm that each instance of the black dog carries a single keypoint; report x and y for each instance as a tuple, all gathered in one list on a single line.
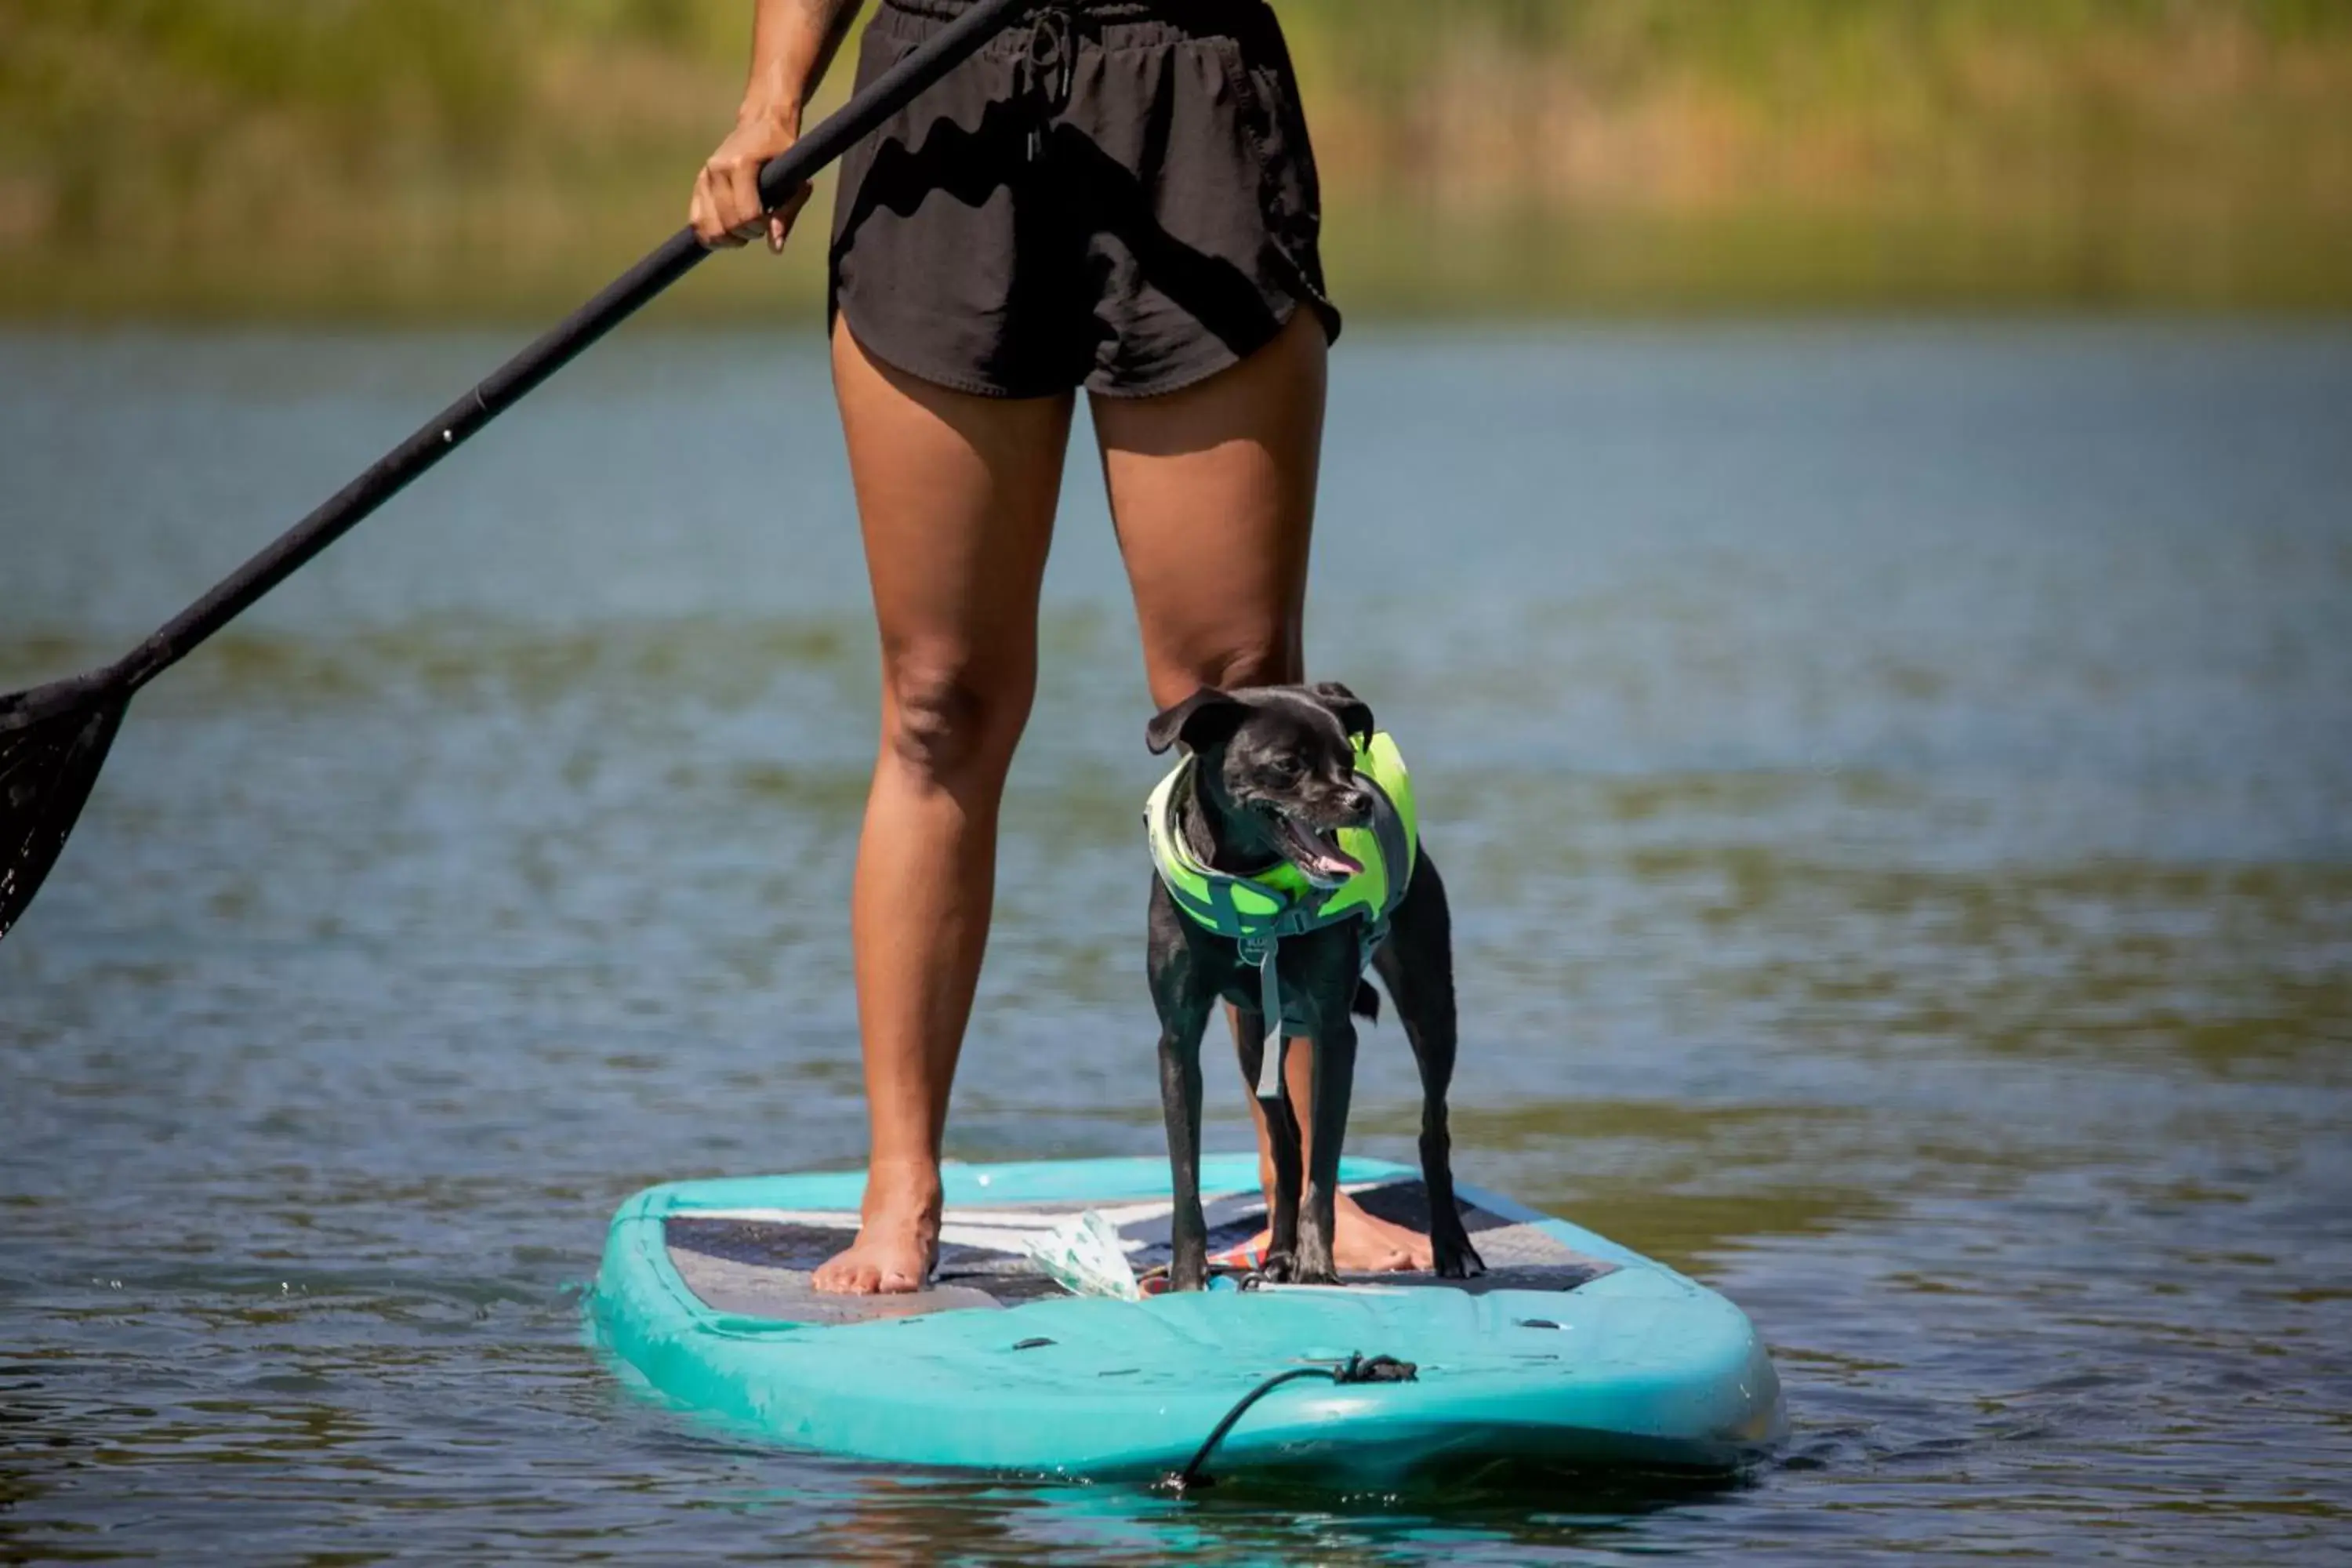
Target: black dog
[(1273, 778)]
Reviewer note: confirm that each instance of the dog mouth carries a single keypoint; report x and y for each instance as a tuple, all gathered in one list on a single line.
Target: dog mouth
[(1315, 851)]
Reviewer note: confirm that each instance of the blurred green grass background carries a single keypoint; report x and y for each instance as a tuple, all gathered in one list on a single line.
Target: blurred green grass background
[(433, 160)]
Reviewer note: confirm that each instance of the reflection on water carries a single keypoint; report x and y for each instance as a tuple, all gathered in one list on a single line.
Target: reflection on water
[(1895, 781)]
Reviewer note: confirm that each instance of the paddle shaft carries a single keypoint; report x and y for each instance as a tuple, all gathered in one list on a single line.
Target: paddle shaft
[(511, 382)]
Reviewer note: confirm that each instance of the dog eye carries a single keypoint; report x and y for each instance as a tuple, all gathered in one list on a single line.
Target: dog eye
[(1284, 770)]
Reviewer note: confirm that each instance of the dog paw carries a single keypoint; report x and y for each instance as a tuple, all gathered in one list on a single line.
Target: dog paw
[(1458, 1260), (1314, 1265)]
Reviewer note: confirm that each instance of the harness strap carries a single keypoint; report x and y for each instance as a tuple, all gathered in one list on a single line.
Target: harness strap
[(1269, 1002)]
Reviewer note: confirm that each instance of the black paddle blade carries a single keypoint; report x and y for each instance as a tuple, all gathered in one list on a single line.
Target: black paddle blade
[(53, 741)]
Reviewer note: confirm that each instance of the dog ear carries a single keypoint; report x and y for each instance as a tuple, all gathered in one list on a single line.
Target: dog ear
[(1355, 713), (1203, 720)]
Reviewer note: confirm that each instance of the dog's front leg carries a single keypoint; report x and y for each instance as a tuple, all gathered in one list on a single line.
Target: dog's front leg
[(1180, 1106), (1332, 1085), (1183, 990), (1281, 1141)]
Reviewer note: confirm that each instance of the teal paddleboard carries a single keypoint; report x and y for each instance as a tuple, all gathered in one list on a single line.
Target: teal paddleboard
[(1570, 1351)]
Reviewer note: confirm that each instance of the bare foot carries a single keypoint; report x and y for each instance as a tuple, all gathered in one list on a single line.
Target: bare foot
[(897, 1238), (1364, 1245)]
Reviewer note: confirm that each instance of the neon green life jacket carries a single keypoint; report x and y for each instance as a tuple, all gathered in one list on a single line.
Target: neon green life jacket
[(1258, 911)]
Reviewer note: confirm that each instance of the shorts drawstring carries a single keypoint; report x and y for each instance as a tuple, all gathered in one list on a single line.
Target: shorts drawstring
[(1047, 71)]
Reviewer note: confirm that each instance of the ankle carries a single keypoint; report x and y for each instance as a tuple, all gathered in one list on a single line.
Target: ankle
[(903, 1186)]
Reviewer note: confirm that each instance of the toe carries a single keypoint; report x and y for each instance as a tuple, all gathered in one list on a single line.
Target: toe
[(848, 1274)]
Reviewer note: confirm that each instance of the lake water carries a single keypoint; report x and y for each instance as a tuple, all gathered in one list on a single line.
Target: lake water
[(1896, 786)]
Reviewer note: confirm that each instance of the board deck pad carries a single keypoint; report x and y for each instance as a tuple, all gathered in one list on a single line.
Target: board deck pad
[(757, 1264), (1571, 1349)]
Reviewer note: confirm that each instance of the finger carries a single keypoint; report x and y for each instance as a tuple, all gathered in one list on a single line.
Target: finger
[(780, 221), (705, 216), (737, 205), (743, 204)]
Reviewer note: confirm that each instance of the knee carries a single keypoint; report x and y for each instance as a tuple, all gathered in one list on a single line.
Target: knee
[(950, 722)]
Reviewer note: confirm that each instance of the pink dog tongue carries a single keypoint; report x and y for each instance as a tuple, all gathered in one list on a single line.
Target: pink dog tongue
[(1319, 855)]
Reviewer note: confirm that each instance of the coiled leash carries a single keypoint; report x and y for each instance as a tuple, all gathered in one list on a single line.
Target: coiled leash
[(1356, 1368)]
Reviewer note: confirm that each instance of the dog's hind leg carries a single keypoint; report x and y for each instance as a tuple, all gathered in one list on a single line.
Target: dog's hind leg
[(1282, 1139), (1416, 965)]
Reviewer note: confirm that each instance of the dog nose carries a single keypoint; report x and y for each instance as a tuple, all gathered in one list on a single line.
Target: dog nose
[(1357, 805)]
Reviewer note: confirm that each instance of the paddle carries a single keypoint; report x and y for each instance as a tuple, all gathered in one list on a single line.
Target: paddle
[(54, 738)]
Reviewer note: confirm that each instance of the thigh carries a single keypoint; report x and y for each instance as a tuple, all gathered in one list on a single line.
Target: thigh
[(955, 498), (1213, 488)]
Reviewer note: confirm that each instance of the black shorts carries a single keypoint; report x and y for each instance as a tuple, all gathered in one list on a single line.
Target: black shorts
[(1113, 194)]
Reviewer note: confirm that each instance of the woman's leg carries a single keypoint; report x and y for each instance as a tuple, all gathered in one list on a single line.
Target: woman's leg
[(1213, 489), (955, 497)]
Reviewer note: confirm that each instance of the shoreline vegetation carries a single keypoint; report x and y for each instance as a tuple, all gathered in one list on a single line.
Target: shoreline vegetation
[(439, 160)]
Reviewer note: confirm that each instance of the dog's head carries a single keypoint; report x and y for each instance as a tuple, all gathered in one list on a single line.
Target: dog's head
[(1277, 765)]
